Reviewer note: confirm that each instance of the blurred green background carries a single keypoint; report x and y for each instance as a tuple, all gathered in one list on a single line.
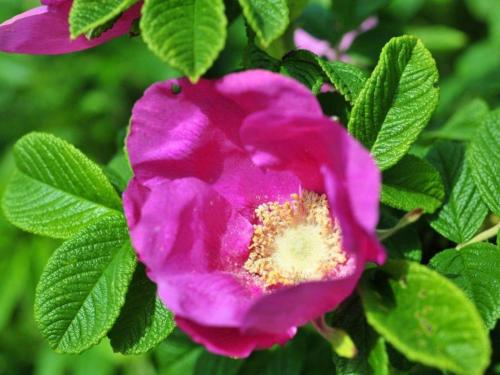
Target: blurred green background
[(86, 99)]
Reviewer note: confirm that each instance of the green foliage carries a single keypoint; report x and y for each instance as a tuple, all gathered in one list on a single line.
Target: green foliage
[(87, 15), (412, 183), (405, 244), (396, 101), (463, 211), (350, 13), (426, 317), (439, 38), (347, 79), (144, 321), (187, 34), (474, 269), (56, 190), (303, 66), (484, 160), (268, 18), (462, 126), (371, 358), (84, 285)]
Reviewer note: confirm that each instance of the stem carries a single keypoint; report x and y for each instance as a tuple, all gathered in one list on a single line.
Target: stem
[(406, 220), (487, 234)]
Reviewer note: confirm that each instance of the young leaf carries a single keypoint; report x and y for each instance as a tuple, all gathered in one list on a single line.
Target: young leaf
[(426, 317), (347, 79), (268, 18), (462, 126), (397, 101), (484, 159), (187, 34), (412, 183), (144, 321), (463, 211), (474, 269), (56, 190), (84, 285), (86, 15), (303, 66)]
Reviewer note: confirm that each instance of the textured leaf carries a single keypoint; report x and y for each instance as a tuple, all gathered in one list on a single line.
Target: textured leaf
[(397, 101), (463, 211), (412, 183), (475, 269), (187, 34), (484, 159), (462, 126), (268, 18), (144, 321), (372, 355), (303, 66), (347, 79), (84, 285), (86, 15), (56, 190), (426, 317)]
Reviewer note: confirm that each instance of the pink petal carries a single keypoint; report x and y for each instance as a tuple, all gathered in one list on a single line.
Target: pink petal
[(194, 246), (231, 341), (304, 40), (45, 30), (196, 133), (326, 159)]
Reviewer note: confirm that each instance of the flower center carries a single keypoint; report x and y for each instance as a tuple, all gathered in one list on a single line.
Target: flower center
[(295, 241)]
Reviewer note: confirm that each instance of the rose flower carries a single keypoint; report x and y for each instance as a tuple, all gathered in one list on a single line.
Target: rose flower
[(45, 30), (252, 211)]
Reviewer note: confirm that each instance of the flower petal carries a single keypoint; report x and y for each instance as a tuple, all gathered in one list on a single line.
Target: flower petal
[(230, 341), (194, 246), (45, 30), (326, 159), (303, 40), (195, 133)]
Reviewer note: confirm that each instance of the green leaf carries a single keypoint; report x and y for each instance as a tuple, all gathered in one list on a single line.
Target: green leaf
[(177, 355), (256, 58), (84, 285), (303, 66), (347, 79), (426, 317), (56, 190), (187, 34), (119, 171), (372, 356), (439, 38), (463, 211), (484, 159), (268, 18), (412, 183), (86, 15), (397, 101), (144, 321), (474, 269), (463, 125)]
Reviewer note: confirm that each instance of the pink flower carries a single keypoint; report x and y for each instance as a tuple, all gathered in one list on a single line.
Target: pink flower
[(252, 211), (304, 40), (45, 30)]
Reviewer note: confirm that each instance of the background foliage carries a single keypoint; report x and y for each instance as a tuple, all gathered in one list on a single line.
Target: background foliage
[(85, 98)]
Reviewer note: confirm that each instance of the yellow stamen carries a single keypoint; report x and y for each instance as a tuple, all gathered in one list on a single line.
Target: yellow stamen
[(295, 241)]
